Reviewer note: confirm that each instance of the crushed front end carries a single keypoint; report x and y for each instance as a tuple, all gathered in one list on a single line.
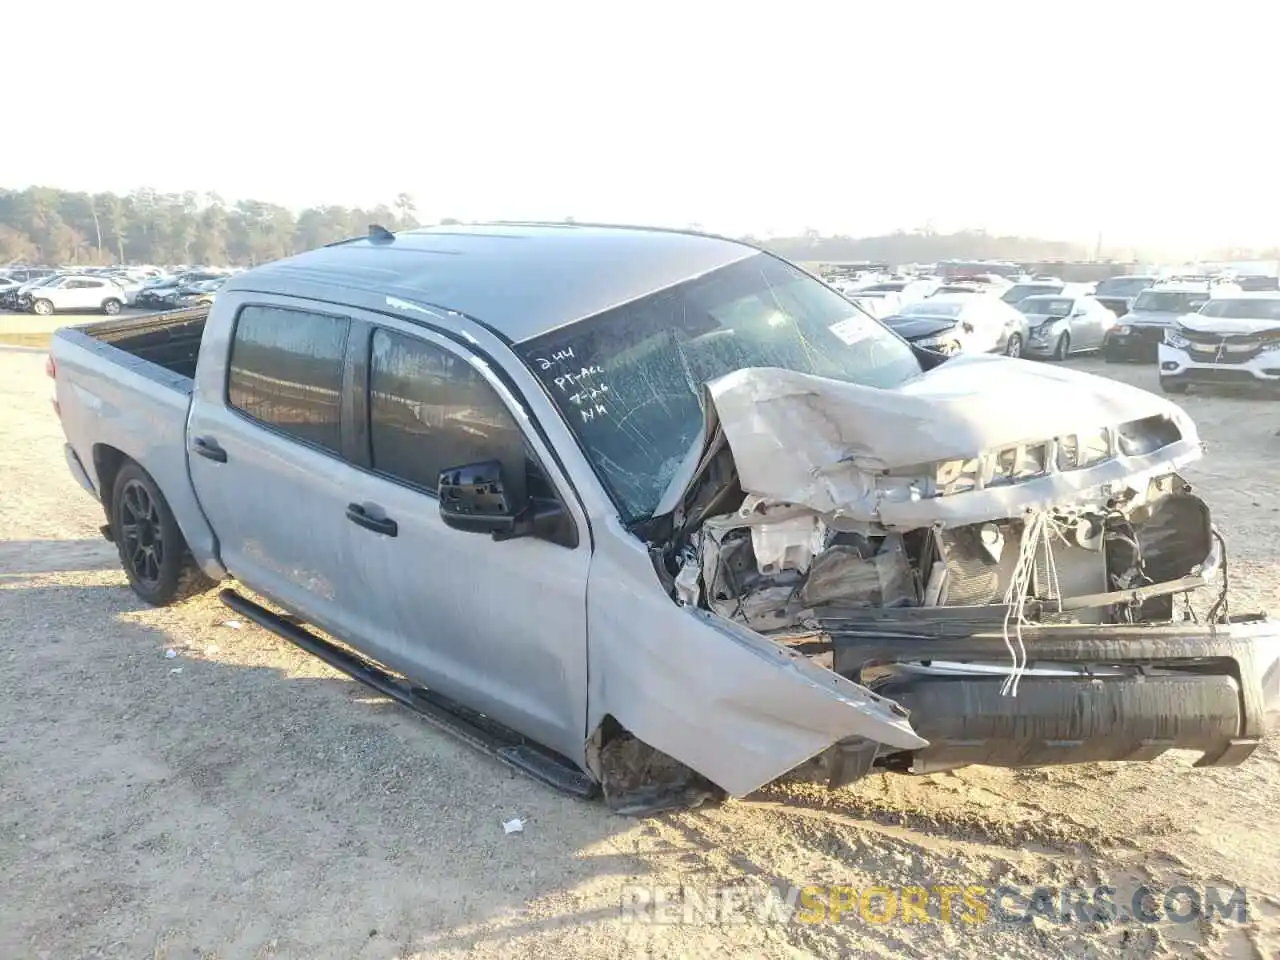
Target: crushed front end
[(1032, 579)]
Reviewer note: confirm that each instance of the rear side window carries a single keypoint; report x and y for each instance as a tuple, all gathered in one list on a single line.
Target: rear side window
[(286, 371), (429, 410)]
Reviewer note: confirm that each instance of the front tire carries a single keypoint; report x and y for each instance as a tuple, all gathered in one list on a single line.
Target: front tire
[(111, 307), (1013, 348), (1172, 386), (42, 307), (1063, 348), (152, 550)]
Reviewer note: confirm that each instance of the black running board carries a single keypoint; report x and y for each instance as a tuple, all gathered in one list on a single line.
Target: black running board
[(480, 732)]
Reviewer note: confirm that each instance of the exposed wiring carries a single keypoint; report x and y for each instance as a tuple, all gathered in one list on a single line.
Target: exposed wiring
[(1220, 606), (1037, 532)]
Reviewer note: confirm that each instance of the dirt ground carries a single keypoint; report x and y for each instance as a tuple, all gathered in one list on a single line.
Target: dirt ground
[(240, 799)]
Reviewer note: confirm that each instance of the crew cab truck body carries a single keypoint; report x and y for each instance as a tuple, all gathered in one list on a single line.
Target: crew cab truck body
[(659, 513)]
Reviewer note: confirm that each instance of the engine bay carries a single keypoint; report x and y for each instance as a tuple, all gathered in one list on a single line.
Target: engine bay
[(778, 567), (817, 502)]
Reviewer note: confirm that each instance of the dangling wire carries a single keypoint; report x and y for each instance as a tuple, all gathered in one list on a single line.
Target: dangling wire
[(1038, 532), (1021, 584)]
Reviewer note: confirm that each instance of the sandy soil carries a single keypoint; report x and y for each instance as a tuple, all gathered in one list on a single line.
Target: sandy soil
[(256, 804)]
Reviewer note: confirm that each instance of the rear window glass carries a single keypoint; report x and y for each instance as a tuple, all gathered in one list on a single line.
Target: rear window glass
[(926, 308), (1170, 301), (1048, 306), (286, 372)]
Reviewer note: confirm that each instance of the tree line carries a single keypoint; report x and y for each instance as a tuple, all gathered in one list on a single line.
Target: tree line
[(45, 225)]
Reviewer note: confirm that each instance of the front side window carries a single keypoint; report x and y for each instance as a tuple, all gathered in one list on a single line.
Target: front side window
[(628, 381), (286, 372), (430, 410)]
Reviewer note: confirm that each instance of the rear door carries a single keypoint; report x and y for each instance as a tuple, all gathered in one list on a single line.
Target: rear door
[(90, 294), (498, 625), (265, 445)]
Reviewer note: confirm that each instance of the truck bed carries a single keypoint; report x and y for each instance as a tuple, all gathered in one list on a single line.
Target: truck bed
[(124, 389), (170, 340)]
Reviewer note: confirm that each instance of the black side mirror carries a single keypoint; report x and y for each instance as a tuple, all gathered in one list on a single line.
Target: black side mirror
[(475, 499), (967, 327)]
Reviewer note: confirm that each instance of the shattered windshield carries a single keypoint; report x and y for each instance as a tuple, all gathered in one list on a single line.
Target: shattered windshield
[(628, 382)]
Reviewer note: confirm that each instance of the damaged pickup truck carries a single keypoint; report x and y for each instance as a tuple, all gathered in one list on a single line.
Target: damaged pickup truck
[(659, 515)]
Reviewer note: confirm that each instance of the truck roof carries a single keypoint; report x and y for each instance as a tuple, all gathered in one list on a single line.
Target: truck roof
[(519, 279)]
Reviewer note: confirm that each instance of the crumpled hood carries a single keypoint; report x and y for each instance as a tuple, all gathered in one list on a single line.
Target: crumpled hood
[(822, 443), (1227, 326)]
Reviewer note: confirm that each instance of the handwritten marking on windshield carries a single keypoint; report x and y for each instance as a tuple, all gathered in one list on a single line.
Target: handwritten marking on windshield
[(560, 356), (567, 380)]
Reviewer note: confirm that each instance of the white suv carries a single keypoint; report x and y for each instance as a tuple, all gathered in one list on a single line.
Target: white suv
[(77, 292)]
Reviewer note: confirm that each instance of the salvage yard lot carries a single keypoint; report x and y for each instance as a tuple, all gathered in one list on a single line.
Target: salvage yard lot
[(240, 799)]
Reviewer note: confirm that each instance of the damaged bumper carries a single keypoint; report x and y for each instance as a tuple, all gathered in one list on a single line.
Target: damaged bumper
[(1091, 692)]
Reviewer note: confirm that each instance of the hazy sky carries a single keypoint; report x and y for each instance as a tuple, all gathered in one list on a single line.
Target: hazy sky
[(1149, 122)]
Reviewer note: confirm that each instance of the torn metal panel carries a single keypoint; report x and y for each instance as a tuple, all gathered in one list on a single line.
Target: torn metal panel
[(884, 455), (736, 707)]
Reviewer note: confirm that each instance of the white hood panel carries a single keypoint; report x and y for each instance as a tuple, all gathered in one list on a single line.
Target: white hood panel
[(1227, 326), (825, 444)]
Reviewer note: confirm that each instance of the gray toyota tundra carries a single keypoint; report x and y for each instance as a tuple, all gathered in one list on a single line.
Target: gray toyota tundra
[(660, 516)]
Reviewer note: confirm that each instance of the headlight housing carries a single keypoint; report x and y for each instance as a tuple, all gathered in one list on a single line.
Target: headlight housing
[(1175, 339), (1018, 463), (947, 345), (1078, 450), (1124, 329)]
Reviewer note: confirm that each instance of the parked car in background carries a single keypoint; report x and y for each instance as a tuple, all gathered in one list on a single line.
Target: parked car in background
[(77, 292), (1137, 336), (1118, 293), (959, 286), (908, 289), (168, 292), (879, 303), (128, 286), (1231, 340), (200, 293), (151, 291), (962, 323), (1030, 288), (24, 274), (20, 298), (1059, 325), (1256, 284)]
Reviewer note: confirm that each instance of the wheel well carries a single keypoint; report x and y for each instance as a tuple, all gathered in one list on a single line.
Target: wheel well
[(107, 462)]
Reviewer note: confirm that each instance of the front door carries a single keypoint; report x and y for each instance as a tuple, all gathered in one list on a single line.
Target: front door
[(498, 625)]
